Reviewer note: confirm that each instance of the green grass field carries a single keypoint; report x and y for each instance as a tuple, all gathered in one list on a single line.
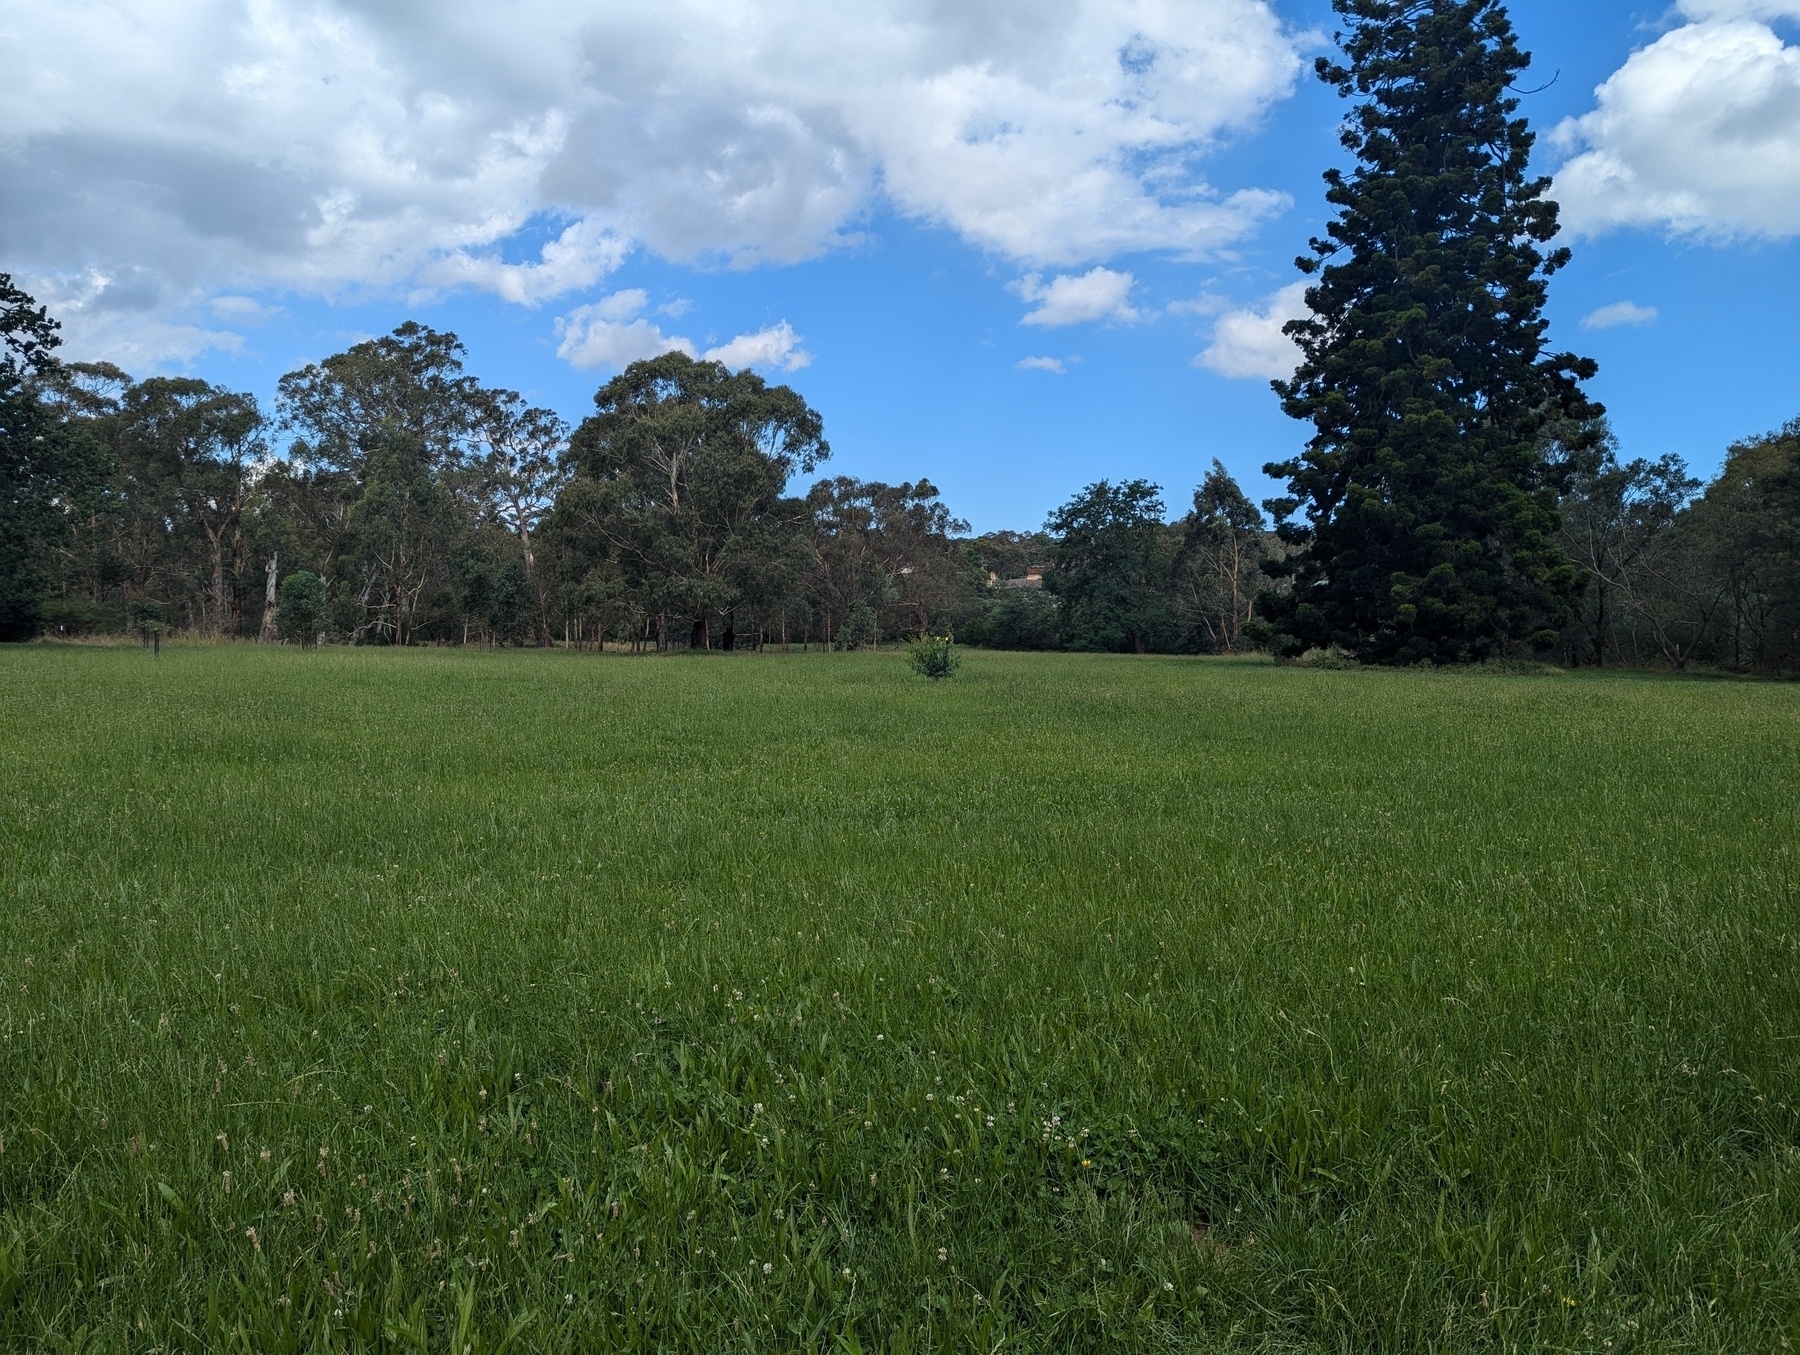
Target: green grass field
[(420, 1001)]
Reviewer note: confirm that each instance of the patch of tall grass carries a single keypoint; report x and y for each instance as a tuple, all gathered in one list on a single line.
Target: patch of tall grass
[(432, 1000)]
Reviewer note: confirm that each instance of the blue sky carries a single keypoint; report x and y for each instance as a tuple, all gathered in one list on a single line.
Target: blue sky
[(896, 290)]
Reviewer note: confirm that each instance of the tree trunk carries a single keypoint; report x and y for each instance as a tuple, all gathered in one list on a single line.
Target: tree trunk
[(267, 635), (728, 641), (698, 637), (237, 581)]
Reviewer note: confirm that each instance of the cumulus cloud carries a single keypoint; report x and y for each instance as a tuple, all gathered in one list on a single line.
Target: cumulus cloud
[(1041, 365), (1740, 9), (1249, 343), (1619, 313), (242, 309), (1698, 133), (120, 317), (577, 259), (1075, 299), (774, 349), (252, 145), (612, 333)]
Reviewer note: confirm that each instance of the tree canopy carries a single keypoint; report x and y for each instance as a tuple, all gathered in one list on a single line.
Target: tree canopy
[(49, 470)]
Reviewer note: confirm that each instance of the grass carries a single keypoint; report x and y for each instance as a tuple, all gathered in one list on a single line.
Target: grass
[(431, 1001)]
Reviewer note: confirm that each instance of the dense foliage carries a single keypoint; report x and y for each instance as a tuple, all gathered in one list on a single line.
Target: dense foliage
[(1680, 573), (392, 499), (1428, 511), (410, 504), (48, 468)]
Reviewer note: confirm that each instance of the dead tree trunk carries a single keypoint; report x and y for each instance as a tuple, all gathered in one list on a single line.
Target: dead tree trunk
[(267, 635)]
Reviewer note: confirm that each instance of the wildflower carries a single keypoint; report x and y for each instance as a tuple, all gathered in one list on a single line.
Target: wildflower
[(264, 1155), (568, 1298), (846, 1272), (868, 1124), (756, 1109), (287, 1198), (1170, 1288), (943, 1255), (871, 1178), (768, 1269)]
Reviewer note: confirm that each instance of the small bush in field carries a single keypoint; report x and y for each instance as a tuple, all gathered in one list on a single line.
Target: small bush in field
[(933, 656)]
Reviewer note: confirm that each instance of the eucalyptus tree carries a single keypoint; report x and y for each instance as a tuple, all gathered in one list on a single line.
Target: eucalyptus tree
[(677, 485), (1619, 522), (521, 470), (1218, 565), (1110, 568), (189, 454), (1427, 512), (1743, 538), (390, 425), (889, 548)]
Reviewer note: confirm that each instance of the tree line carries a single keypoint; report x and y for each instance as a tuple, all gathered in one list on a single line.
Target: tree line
[(390, 498), (1460, 497)]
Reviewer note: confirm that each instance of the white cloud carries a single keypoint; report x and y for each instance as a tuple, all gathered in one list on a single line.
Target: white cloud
[(1619, 313), (1740, 9), (1206, 303), (1249, 343), (1698, 133), (245, 310), (577, 259), (1075, 299), (253, 145), (611, 333), (1041, 365), (774, 349), (118, 317)]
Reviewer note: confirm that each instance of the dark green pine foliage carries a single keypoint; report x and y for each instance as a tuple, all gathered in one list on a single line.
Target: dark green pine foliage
[(47, 468), (1428, 527)]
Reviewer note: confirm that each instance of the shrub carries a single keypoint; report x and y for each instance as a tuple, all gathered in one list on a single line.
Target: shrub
[(861, 629), (300, 614), (933, 656)]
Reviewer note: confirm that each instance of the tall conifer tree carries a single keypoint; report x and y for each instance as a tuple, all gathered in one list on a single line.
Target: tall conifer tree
[(1427, 526)]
